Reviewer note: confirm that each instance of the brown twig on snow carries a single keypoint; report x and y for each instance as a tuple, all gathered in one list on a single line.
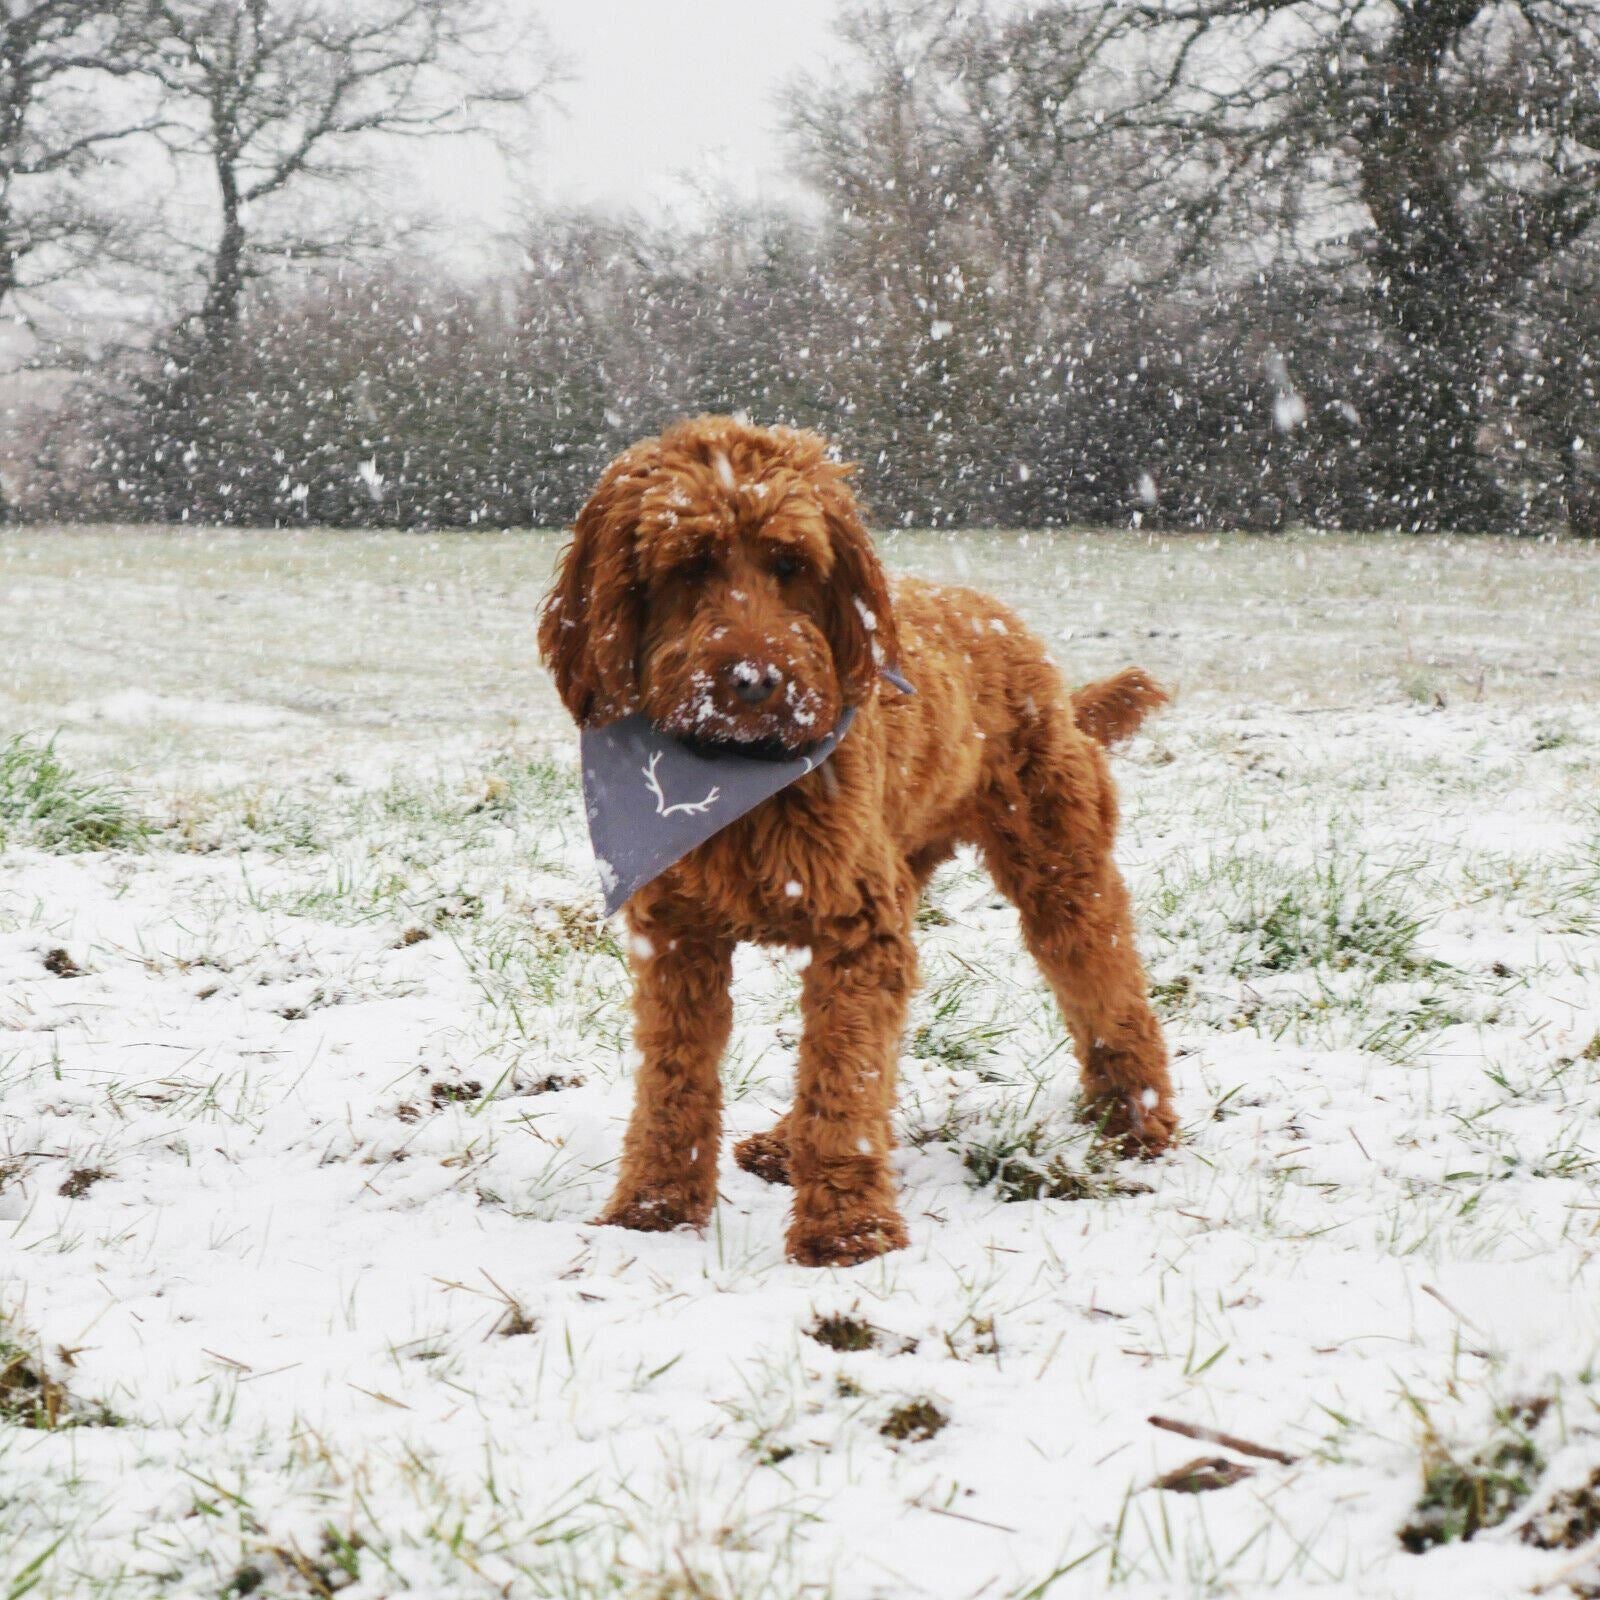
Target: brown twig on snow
[(1455, 1311), (962, 1516), (1230, 1441), (1204, 1474)]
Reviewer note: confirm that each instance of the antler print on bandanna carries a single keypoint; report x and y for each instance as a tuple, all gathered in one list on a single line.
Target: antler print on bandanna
[(651, 799)]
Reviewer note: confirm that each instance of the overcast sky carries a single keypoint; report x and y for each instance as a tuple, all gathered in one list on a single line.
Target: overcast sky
[(660, 90), (667, 85)]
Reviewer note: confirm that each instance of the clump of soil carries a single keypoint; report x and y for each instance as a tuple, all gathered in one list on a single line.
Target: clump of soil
[(913, 1422), (80, 1180), (515, 1322), (553, 1083), (1569, 1520), (841, 1332)]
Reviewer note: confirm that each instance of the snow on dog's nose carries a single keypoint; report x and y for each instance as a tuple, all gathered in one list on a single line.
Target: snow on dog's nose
[(754, 683)]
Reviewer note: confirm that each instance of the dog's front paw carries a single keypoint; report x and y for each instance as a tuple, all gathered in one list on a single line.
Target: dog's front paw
[(765, 1154), (846, 1244), (654, 1210), (1137, 1122)]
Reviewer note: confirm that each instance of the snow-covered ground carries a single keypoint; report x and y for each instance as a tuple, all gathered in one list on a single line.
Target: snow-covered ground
[(310, 1091)]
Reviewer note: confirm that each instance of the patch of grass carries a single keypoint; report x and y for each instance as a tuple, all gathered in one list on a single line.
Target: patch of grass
[(518, 969), (579, 926), (1408, 1029), (914, 1422), (335, 1566), (43, 802), (320, 999), (1328, 918), (1027, 1162), (949, 1035), (350, 892), (1170, 992), (538, 788), (1463, 1496), (282, 823), (1341, 912), (1551, 736), (509, 791), (29, 1396), (460, 906), (973, 1336), (1017, 1143), (1560, 890), (1423, 689)]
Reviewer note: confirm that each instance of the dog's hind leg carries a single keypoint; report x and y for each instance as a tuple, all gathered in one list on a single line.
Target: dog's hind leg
[(682, 1016), (766, 1154), (1047, 820)]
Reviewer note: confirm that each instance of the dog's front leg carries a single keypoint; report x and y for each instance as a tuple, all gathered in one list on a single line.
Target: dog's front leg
[(854, 1002), (682, 1015)]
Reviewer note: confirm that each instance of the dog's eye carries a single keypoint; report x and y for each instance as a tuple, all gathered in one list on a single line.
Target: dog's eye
[(785, 567), (696, 570)]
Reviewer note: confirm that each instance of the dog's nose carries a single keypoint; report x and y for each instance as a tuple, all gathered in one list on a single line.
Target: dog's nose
[(753, 682)]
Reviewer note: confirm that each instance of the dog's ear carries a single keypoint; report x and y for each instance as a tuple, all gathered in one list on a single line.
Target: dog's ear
[(860, 616), (589, 629)]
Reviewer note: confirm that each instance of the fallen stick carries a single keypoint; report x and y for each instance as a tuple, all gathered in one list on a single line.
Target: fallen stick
[(1455, 1311), (961, 1516), (1194, 1430)]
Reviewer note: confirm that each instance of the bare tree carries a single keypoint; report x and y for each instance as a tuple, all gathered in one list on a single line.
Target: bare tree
[(54, 58), (1447, 149), (287, 95), (961, 161)]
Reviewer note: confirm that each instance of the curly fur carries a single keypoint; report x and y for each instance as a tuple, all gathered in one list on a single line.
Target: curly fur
[(719, 557)]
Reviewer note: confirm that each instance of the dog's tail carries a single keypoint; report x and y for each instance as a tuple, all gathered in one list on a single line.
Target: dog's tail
[(1111, 710)]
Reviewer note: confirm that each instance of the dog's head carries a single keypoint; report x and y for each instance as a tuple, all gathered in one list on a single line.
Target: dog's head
[(720, 580)]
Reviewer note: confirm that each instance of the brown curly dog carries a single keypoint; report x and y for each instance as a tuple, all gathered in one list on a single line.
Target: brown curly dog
[(718, 547)]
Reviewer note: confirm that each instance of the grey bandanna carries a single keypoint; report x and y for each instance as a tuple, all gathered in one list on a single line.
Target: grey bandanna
[(651, 799)]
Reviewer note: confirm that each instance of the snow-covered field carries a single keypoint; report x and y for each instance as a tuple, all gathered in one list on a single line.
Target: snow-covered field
[(314, 1067)]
